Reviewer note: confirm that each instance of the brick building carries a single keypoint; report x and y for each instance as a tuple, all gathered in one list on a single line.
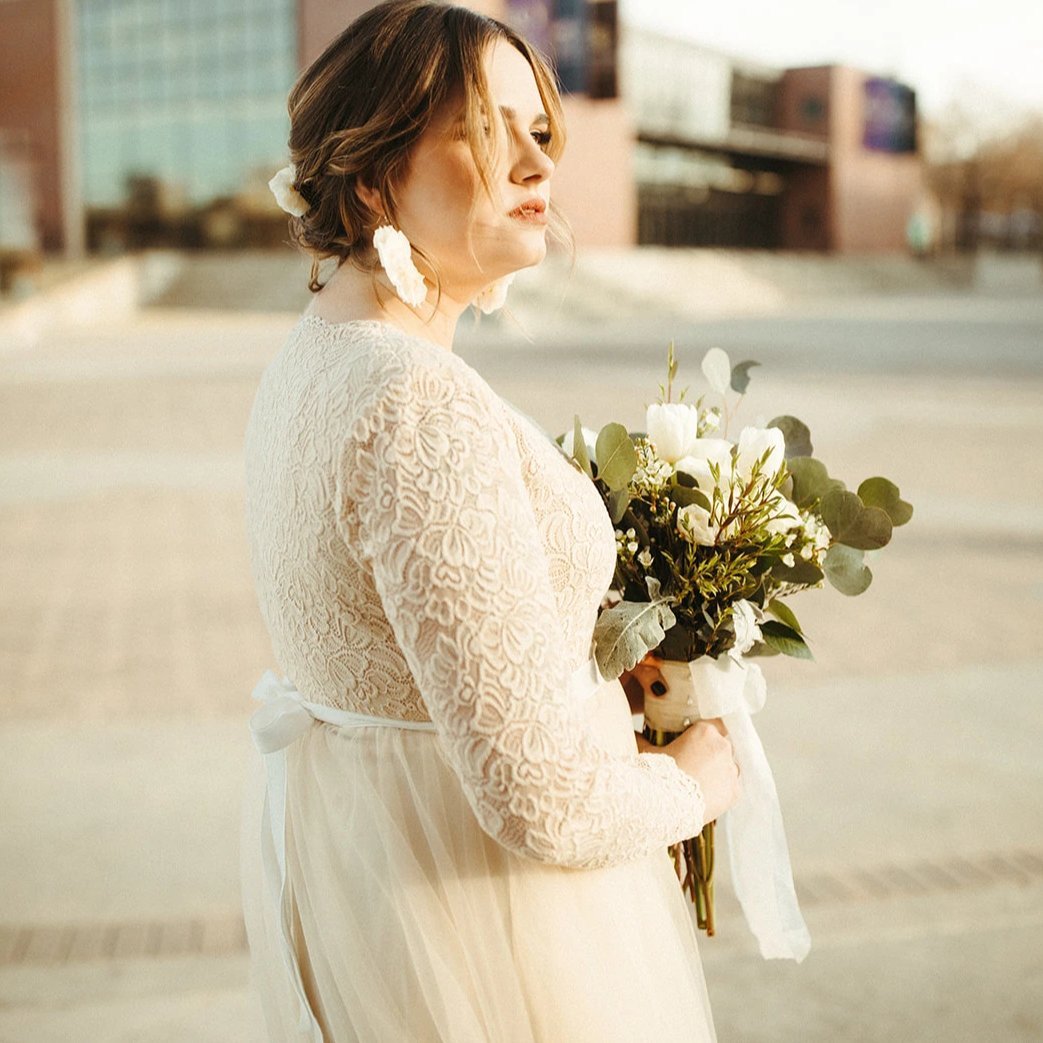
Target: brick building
[(174, 108)]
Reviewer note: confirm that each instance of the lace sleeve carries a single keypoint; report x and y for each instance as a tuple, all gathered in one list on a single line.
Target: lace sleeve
[(442, 517)]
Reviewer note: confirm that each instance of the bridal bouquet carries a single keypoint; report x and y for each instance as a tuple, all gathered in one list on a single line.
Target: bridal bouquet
[(714, 536)]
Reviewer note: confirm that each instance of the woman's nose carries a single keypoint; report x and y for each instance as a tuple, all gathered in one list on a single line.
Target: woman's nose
[(532, 164)]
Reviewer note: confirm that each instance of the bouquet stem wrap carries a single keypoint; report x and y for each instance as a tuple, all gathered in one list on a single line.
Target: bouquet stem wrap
[(751, 831)]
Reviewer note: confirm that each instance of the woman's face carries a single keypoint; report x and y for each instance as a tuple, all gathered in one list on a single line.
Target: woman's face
[(442, 183)]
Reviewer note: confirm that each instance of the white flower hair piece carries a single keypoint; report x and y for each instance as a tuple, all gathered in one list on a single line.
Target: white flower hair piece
[(396, 257), (494, 296), (286, 195)]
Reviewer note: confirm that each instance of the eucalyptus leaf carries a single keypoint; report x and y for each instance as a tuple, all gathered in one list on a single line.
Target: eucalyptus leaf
[(800, 572), (741, 375), (616, 456), (879, 492), (717, 369), (784, 614), (785, 639), (797, 435), (852, 523), (627, 632), (811, 480), (579, 448), (618, 500), (845, 568)]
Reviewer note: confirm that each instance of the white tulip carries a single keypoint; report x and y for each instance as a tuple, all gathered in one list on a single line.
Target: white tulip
[(703, 452), (672, 427), (590, 439), (693, 523), (754, 442)]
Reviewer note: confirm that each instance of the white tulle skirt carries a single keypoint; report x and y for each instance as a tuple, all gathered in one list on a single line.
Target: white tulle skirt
[(411, 925)]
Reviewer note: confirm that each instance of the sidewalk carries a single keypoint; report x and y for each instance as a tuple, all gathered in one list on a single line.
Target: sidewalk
[(906, 756)]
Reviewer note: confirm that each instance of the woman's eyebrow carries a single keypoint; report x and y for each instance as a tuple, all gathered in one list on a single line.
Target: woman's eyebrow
[(540, 117)]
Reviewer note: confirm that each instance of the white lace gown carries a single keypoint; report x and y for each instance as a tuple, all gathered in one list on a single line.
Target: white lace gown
[(424, 552)]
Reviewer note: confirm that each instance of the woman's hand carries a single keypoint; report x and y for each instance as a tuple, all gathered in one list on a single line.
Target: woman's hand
[(705, 752)]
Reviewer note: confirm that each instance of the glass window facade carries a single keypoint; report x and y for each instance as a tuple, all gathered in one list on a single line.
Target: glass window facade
[(189, 92)]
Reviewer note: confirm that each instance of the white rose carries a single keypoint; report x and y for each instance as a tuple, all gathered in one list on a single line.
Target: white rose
[(672, 427), (590, 439), (693, 523), (703, 452), (754, 442), (744, 623)]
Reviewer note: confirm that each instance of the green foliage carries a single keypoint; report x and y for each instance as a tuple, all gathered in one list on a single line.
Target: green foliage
[(617, 501), (627, 632), (785, 639), (741, 375), (616, 457), (879, 492), (679, 595), (854, 524), (846, 570), (811, 481), (784, 614), (801, 573), (797, 435), (683, 495)]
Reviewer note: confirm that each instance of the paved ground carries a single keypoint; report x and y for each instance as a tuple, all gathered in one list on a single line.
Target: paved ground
[(907, 755)]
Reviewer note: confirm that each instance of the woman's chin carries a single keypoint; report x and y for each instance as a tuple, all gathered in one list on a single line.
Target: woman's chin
[(535, 251)]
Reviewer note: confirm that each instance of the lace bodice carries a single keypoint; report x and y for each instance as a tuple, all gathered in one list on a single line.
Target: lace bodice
[(421, 550)]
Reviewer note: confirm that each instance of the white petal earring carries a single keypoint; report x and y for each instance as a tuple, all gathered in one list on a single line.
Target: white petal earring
[(396, 258), (494, 296)]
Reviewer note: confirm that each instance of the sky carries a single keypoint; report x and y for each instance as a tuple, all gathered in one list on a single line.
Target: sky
[(945, 49)]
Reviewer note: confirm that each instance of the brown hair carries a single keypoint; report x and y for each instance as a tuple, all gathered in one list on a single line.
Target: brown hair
[(356, 112)]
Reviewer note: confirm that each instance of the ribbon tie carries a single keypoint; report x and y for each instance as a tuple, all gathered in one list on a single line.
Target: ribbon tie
[(282, 719), (279, 722), (757, 852)]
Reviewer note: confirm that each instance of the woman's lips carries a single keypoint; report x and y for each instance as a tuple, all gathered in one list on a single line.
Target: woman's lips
[(532, 212)]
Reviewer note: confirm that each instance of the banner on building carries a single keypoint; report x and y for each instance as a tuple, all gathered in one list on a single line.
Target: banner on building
[(890, 116), (579, 36)]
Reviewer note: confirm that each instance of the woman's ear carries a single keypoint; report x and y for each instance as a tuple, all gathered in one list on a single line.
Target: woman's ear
[(369, 197)]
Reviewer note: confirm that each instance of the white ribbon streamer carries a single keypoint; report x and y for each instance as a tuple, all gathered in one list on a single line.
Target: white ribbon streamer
[(752, 829), (282, 719)]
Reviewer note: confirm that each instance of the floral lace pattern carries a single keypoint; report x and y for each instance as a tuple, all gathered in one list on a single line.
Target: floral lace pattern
[(421, 550)]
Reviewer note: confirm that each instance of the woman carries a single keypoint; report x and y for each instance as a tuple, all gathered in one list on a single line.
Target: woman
[(455, 836)]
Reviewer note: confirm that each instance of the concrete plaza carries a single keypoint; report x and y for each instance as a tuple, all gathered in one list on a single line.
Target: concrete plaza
[(907, 755)]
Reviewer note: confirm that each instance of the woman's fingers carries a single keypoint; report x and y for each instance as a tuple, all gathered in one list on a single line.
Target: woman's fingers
[(647, 673)]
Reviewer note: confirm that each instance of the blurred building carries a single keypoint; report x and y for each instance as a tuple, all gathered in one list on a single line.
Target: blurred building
[(153, 121), (730, 153)]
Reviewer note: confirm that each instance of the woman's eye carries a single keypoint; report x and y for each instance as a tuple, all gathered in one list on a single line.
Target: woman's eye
[(542, 137)]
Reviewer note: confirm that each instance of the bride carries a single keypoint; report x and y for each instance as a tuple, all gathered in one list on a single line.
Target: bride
[(452, 833)]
